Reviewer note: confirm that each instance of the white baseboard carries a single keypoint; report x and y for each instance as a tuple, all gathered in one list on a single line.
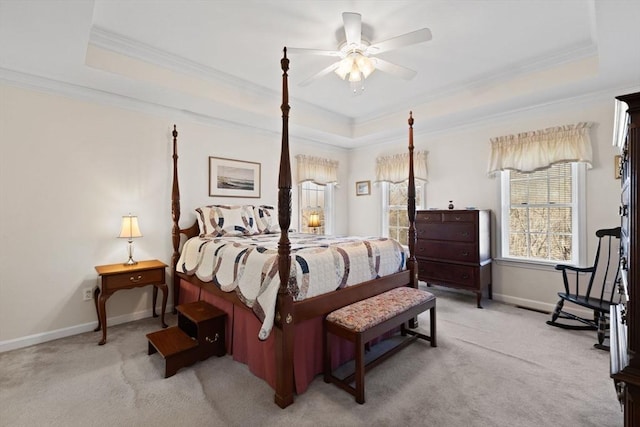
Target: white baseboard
[(541, 306), (30, 340)]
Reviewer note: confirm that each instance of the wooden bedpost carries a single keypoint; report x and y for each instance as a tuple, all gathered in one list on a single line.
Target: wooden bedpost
[(284, 335), (175, 215), (412, 264)]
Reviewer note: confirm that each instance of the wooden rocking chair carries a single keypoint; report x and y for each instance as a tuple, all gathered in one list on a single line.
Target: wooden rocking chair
[(596, 295)]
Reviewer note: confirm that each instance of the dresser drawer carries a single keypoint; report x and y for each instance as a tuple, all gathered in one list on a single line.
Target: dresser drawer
[(451, 251), (428, 216), (468, 216), (458, 232), (133, 279), (454, 274)]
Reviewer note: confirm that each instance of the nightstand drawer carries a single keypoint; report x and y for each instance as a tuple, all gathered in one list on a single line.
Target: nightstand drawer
[(133, 279)]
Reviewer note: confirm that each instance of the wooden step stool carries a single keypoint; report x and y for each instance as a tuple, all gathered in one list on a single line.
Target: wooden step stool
[(199, 335)]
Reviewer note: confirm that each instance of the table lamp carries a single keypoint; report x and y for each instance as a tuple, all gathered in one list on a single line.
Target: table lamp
[(314, 222), (129, 231)]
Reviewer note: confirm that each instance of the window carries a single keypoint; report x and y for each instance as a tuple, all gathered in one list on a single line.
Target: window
[(316, 199), (395, 217), (542, 214)]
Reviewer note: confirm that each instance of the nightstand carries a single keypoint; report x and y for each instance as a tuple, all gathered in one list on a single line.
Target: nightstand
[(119, 276)]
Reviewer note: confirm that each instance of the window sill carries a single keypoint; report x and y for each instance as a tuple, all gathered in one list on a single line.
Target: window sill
[(530, 264)]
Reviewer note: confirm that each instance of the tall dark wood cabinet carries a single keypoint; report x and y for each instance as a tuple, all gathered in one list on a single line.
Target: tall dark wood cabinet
[(625, 327), (453, 249)]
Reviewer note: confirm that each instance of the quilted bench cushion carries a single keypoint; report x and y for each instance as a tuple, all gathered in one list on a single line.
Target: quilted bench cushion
[(367, 313)]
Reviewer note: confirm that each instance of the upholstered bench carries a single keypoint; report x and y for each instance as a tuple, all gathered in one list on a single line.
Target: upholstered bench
[(365, 320)]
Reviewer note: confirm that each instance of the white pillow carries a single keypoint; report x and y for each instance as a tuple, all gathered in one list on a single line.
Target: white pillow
[(224, 220), (266, 219)]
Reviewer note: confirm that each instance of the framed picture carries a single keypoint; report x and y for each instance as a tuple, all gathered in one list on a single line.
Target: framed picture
[(233, 178), (617, 166), (363, 188)]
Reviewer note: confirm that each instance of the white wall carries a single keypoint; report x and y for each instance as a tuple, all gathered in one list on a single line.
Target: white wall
[(457, 162), (70, 169)]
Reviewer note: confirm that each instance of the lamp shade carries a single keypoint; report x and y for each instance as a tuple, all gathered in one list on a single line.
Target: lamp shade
[(130, 228), (314, 220)]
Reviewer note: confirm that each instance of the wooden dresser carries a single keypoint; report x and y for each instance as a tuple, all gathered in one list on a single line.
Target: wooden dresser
[(625, 327), (453, 249)]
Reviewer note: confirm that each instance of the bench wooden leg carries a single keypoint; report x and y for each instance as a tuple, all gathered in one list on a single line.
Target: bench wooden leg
[(359, 369), (327, 354), (432, 326)]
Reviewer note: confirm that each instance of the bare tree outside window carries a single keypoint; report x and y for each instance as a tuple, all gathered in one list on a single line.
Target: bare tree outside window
[(541, 214), (398, 217)]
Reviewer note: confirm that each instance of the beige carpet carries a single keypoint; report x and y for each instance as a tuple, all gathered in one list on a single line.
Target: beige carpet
[(501, 366)]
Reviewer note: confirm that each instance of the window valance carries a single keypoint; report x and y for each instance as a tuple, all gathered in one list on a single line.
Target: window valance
[(530, 151), (395, 168), (317, 169)]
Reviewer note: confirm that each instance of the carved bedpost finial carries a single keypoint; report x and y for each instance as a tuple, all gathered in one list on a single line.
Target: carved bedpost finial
[(175, 132), (411, 118), (284, 62)]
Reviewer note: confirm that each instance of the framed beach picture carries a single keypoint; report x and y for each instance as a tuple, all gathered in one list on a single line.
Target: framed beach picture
[(233, 178), (363, 188)]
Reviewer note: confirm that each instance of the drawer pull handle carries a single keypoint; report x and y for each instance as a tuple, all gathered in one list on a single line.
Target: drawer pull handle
[(136, 279), (465, 253), (465, 234), (458, 218), (465, 276), (215, 338)]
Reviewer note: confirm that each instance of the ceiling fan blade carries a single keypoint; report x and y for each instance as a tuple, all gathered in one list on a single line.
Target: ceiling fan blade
[(393, 69), (413, 37), (352, 27), (313, 51), (322, 73)]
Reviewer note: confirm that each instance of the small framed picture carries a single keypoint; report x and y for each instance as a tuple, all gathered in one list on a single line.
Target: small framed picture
[(617, 166), (233, 178), (363, 188)]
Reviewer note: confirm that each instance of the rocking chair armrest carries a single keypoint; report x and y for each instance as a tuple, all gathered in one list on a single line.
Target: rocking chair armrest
[(563, 267)]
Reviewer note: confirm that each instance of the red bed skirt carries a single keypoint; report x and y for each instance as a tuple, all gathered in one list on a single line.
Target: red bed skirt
[(243, 344)]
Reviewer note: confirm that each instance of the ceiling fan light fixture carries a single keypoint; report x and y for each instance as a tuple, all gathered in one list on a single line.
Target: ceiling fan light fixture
[(365, 65), (344, 67), (355, 76)]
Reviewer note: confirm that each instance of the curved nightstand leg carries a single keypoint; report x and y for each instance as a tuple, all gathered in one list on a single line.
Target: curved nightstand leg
[(96, 292), (103, 318), (155, 299), (165, 293)]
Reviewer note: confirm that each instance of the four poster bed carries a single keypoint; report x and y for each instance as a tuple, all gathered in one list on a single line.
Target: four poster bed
[(277, 329)]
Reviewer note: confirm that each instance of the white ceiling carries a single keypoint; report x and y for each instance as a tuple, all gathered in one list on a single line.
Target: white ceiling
[(219, 60)]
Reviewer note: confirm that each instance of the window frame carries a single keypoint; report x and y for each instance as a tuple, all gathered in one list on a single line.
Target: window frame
[(578, 218), (328, 209), (384, 189)]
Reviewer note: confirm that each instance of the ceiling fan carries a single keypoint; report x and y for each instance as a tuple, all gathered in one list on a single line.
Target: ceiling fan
[(356, 56)]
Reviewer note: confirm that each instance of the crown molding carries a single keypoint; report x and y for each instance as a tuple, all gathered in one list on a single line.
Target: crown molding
[(259, 125), (135, 49), (532, 65), (434, 128)]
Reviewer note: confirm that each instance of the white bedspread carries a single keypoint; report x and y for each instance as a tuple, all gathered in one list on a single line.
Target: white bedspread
[(319, 264)]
